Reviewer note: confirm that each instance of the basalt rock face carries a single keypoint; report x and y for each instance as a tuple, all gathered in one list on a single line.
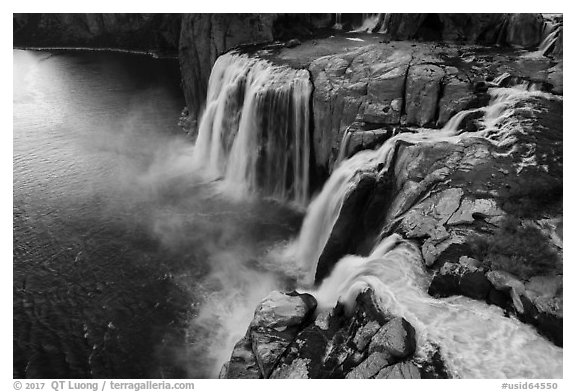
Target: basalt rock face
[(363, 342), (523, 30), (389, 86), (457, 197), (204, 37), (158, 32)]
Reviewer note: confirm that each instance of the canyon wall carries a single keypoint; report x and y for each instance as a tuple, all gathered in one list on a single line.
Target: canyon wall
[(148, 32)]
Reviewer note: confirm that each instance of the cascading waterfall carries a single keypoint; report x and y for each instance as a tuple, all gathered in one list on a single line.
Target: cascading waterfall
[(476, 339), (324, 210), (254, 133)]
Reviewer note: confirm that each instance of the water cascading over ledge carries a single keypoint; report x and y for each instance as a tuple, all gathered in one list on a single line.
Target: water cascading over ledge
[(254, 133)]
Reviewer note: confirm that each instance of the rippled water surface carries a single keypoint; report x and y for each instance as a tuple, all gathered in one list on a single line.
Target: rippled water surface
[(115, 239)]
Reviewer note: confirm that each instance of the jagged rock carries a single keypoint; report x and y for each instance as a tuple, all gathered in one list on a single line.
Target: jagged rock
[(268, 345), (456, 279), (422, 93), (371, 365), (335, 345), (469, 263), (364, 334), (403, 370), (283, 310), (397, 337), (505, 281), (297, 369), (242, 363)]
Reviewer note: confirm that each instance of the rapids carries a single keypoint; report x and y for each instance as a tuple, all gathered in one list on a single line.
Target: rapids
[(476, 340)]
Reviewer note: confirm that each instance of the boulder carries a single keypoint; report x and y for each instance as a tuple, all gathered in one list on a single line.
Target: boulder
[(403, 370), (397, 337), (283, 310), (371, 365), (364, 334)]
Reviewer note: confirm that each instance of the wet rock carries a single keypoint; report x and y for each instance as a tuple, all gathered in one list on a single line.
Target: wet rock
[(397, 337), (203, 37), (268, 345), (456, 279), (469, 263), (242, 363), (298, 369), (283, 310), (403, 370), (547, 318), (506, 282), (422, 93), (457, 95), (364, 334), (341, 240), (371, 365)]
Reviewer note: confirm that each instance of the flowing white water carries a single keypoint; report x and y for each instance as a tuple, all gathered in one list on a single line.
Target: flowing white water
[(476, 340), (254, 133), (499, 127), (369, 22)]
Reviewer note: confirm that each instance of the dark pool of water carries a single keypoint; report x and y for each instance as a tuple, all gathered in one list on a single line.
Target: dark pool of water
[(113, 235)]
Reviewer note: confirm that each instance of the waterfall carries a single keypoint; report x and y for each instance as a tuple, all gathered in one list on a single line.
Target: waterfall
[(338, 23), (369, 23), (476, 340), (322, 213), (254, 133), (343, 151)]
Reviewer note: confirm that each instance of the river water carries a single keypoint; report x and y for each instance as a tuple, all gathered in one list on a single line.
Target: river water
[(125, 262)]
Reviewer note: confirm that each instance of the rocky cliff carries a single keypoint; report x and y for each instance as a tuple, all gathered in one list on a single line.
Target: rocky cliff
[(482, 205), (148, 32)]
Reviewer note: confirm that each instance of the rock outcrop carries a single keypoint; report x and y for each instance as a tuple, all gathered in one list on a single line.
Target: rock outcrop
[(368, 343)]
